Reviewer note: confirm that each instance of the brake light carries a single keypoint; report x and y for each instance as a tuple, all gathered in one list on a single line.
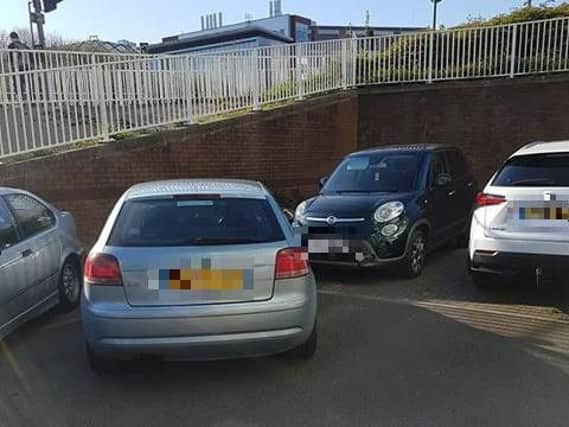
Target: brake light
[(483, 199), (103, 269), (291, 262)]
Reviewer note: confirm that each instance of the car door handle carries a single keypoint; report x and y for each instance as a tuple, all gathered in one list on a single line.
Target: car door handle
[(27, 253), (452, 193)]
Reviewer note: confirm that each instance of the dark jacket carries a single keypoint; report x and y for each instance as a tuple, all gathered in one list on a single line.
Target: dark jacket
[(20, 61), (17, 44)]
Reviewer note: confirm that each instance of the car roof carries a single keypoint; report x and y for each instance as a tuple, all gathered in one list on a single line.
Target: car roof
[(233, 187), (541, 147), (8, 190), (403, 148)]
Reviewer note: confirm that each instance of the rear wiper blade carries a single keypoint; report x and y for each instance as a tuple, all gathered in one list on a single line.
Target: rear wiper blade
[(535, 182), (221, 241)]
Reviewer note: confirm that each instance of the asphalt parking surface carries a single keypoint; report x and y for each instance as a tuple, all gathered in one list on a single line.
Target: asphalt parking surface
[(446, 279), (429, 352)]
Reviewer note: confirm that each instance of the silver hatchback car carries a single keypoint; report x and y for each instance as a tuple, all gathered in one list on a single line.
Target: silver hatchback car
[(194, 270), (40, 258)]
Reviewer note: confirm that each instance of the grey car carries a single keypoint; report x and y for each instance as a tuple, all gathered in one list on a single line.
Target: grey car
[(194, 270), (40, 258)]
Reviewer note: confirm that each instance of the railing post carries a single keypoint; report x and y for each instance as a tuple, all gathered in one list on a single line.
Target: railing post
[(354, 61), (513, 51), (255, 71), (344, 63), (189, 72), (431, 55), (98, 72), (299, 80), (103, 104)]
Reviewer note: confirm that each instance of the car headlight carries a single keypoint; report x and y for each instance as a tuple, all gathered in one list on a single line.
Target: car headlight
[(388, 211), (299, 213), (389, 230)]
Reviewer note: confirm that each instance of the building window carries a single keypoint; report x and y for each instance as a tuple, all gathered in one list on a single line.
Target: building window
[(301, 33)]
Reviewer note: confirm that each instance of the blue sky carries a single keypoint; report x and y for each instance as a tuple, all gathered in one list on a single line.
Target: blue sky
[(149, 20)]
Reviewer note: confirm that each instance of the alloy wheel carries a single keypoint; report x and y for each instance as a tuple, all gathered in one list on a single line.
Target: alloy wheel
[(70, 282), (418, 254)]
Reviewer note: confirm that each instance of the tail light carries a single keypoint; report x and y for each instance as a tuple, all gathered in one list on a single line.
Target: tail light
[(103, 269), (291, 262), (483, 199)]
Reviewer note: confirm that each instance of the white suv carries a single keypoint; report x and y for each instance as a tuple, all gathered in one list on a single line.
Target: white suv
[(520, 227)]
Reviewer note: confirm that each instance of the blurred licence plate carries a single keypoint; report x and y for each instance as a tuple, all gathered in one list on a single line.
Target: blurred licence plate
[(203, 280), (544, 213)]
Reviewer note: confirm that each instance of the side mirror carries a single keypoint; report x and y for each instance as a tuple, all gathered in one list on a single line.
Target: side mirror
[(443, 180), (289, 215), (323, 181)]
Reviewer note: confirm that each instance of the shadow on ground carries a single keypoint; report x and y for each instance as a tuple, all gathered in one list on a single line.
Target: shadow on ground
[(446, 279), (362, 373)]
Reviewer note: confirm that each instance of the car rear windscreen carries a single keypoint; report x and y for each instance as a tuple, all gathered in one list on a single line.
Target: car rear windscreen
[(536, 170), (190, 221)]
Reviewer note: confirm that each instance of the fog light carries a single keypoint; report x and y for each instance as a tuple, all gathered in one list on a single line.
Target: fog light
[(389, 230)]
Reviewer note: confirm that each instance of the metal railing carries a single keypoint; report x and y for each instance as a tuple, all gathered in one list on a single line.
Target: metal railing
[(48, 99), (465, 53), (25, 60)]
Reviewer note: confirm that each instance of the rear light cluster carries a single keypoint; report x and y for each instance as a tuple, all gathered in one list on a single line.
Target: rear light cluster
[(102, 269), (291, 262), (484, 199)]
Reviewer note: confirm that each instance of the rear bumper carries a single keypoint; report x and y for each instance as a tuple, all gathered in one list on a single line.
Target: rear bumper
[(200, 332), (512, 264), (481, 241), (203, 347)]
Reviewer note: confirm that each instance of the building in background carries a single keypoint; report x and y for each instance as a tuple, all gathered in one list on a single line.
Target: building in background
[(332, 32), (215, 37), (228, 39), (277, 28)]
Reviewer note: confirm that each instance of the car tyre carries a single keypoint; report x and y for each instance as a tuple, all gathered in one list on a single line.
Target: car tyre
[(307, 349), (414, 261), (70, 283)]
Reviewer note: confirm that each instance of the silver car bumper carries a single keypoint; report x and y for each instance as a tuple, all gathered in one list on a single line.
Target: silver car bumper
[(203, 332)]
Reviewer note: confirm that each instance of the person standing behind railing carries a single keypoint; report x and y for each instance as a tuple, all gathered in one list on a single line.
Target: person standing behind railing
[(21, 61)]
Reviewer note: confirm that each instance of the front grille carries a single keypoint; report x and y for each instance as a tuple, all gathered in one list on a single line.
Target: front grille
[(348, 258), (347, 230), (343, 230)]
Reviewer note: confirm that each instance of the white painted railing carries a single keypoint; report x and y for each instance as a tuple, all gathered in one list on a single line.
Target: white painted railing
[(48, 99), (465, 53)]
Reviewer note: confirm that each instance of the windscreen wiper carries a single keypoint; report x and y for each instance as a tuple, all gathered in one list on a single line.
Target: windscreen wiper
[(221, 240)]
